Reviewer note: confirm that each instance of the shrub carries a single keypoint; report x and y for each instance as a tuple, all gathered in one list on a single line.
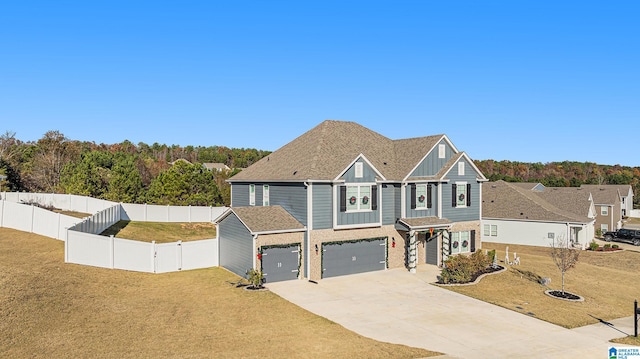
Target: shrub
[(615, 246), (255, 278), (598, 232), (462, 269), (593, 245), (492, 255), (607, 246)]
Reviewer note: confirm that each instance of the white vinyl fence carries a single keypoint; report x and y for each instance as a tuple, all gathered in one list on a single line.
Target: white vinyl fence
[(116, 253), (84, 246)]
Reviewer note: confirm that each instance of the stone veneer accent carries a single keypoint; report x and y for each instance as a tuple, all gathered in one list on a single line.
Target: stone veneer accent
[(282, 238), (395, 255)]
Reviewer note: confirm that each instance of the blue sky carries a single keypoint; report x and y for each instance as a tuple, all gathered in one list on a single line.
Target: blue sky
[(531, 81)]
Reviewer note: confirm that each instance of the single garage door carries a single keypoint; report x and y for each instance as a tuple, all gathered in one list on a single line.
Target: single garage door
[(280, 263), (353, 257)]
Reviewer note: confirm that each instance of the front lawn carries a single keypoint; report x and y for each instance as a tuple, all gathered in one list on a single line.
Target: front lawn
[(608, 281), (50, 309)]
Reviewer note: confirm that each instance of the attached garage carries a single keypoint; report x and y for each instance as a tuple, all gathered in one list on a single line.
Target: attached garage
[(356, 256), (236, 246), (243, 232), (280, 262)]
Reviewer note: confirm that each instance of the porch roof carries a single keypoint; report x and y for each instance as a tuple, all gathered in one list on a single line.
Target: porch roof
[(424, 223)]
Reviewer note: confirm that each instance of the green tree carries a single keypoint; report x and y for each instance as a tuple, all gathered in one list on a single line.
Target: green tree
[(125, 184), (184, 184)]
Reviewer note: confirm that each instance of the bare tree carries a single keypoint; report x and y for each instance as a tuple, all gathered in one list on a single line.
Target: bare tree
[(8, 145), (564, 256)]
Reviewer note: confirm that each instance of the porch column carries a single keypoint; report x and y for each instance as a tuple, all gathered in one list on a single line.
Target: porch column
[(413, 251)]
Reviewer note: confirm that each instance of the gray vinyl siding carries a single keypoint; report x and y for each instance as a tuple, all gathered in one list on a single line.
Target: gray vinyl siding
[(368, 174), (417, 213), (322, 195), (236, 246), (291, 196), (388, 203), (432, 164), (456, 214)]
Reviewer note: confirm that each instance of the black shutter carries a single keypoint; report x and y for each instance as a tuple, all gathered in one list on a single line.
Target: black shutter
[(343, 199), (374, 197), (468, 194), (453, 195), (473, 241), (429, 196), (413, 196)]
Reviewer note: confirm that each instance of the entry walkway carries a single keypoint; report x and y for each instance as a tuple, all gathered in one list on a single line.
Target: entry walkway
[(399, 307)]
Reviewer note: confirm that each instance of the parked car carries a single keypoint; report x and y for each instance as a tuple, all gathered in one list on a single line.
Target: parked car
[(624, 235)]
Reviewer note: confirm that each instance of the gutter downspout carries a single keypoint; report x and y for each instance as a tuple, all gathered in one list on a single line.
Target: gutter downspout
[(307, 250)]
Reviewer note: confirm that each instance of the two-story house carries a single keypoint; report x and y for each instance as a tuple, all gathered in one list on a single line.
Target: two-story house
[(612, 204), (343, 199)]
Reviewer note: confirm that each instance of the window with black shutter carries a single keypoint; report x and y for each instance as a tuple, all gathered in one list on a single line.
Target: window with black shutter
[(429, 196), (374, 197), (413, 196), (454, 191), (343, 199), (468, 194)]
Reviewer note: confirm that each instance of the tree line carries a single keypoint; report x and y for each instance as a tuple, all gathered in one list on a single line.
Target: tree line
[(122, 172), (142, 173), (562, 174)]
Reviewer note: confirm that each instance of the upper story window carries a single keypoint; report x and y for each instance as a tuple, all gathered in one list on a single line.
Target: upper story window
[(265, 195), (460, 168), (461, 194), (604, 211), (354, 198), (421, 196), (359, 170), (252, 195), (441, 150)]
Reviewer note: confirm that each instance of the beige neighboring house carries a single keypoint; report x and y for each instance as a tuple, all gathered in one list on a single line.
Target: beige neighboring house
[(613, 203), (217, 167), (531, 214)]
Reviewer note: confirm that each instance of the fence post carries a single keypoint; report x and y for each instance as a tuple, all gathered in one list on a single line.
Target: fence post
[(112, 251), (635, 318), (154, 262), (66, 245), (179, 255)]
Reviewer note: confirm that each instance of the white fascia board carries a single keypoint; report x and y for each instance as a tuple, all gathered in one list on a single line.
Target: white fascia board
[(224, 215), (281, 231), (470, 161), (535, 221), (444, 137), (366, 160)]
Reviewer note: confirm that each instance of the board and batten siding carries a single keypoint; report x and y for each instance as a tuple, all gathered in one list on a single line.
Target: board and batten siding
[(461, 214), (355, 218), (432, 164), (322, 195), (388, 203), (236, 245), (426, 212), (368, 174)]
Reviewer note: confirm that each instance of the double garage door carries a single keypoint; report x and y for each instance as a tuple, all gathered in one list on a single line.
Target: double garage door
[(352, 257)]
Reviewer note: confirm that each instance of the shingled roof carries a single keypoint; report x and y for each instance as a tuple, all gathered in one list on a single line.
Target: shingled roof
[(604, 194), (267, 219), (572, 199), (323, 152), (507, 201)]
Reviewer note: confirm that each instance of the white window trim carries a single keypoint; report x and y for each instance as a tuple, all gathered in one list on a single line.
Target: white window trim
[(455, 236), (604, 210), (359, 198), (490, 230), (426, 195), (252, 194), (464, 186), (460, 168), (604, 227), (441, 151), (265, 195)]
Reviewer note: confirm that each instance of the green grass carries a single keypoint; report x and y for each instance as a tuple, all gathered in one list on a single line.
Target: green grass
[(50, 309), (161, 232)]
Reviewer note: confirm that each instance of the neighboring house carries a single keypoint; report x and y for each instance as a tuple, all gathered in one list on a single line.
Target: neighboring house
[(343, 199), (531, 214), (608, 200), (216, 167)]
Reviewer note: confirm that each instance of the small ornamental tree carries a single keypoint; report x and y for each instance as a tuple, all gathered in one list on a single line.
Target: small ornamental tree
[(564, 256)]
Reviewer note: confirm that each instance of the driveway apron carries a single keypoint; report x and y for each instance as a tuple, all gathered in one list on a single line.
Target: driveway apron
[(399, 307)]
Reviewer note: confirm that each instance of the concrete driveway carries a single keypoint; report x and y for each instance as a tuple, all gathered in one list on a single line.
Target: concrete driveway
[(399, 307)]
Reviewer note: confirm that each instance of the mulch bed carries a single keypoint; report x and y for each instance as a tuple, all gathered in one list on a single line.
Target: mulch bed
[(602, 249), (564, 296), (474, 277)]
